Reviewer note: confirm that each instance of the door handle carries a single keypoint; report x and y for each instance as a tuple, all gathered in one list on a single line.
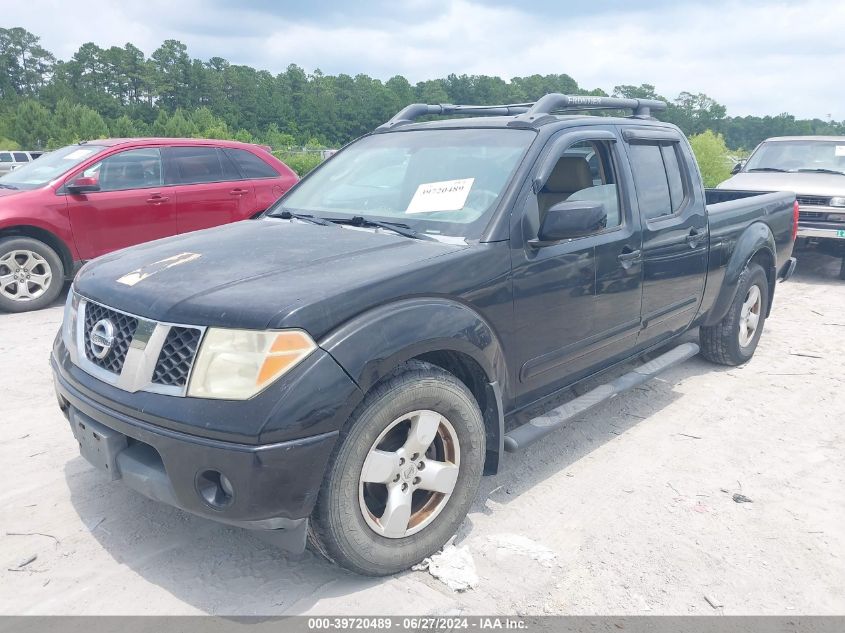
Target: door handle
[(628, 257), (694, 238), (238, 192), (157, 198)]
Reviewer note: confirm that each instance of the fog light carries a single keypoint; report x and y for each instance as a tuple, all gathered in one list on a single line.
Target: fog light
[(215, 489)]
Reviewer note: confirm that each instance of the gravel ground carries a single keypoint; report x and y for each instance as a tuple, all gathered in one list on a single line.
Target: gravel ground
[(629, 510)]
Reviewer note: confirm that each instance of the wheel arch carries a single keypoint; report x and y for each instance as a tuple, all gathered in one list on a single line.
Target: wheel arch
[(47, 237), (443, 332), (756, 244)]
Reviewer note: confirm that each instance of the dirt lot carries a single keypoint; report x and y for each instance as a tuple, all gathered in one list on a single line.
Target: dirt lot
[(627, 511)]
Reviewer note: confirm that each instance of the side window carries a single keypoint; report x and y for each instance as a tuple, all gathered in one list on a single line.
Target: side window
[(194, 165), (132, 169), (20, 157), (5, 157), (250, 165), (657, 176), (673, 175), (585, 171), (230, 172), (650, 180)]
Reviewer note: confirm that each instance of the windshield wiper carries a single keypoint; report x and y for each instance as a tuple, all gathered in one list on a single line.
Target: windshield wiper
[(769, 169), (5, 186), (821, 170), (290, 215), (396, 227)]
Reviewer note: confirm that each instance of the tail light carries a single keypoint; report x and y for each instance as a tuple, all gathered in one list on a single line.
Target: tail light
[(795, 210)]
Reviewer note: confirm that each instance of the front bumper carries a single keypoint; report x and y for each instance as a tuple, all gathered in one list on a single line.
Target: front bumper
[(273, 485), (819, 230)]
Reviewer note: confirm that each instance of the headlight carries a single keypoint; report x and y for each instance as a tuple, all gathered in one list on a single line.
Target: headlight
[(69, 323), (838, 201), (237, 364)]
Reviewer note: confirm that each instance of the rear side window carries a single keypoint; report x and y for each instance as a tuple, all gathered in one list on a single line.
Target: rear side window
[(5, 157), (193, 165), (657, 176), (250, 165), (673, 175), (20, 157)]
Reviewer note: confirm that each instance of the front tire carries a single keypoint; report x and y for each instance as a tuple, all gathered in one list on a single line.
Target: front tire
[(31, 274), (733, 340), (404, 475)]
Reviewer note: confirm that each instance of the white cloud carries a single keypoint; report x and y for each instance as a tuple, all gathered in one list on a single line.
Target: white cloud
[(756, 58)]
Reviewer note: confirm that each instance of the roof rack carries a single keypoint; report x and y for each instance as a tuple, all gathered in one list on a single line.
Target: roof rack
[(410, 113), (528, 112)]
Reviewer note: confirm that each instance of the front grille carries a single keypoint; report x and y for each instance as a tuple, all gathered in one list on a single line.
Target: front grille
[(813, 201), (811, 215), (124, 330), (177, 356)]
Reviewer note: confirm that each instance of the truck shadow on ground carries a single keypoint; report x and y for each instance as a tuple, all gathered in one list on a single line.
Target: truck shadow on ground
[(221, 570)]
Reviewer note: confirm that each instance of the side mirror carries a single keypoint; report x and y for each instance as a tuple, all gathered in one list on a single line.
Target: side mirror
[(738, 167), (83, 185), (568, 220)]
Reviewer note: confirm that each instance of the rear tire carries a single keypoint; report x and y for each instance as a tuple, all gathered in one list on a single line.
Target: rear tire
[(378, 512), (732, 340), (842, 269), (31, 274)]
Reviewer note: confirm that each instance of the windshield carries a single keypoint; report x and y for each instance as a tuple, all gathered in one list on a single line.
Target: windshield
[(440, 182), (795, 156), (48, 167)]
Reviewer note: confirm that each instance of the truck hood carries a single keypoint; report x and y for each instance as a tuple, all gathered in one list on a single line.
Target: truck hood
[(258, 274), (801, 183)]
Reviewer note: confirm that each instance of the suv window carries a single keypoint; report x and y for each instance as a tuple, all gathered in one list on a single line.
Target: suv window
[(657, 176), (132, 169), (20, 157), (251, 166), (194, 165), (583, 172), (5, 157)]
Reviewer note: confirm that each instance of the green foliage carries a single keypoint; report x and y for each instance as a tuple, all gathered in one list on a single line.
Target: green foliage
[(122, 92), (8, 144), (712, 156), (301, 162)]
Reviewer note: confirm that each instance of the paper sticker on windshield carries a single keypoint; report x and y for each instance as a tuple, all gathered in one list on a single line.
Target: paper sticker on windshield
[(80, 153), (446, 195), (840, 150), (130, 279)]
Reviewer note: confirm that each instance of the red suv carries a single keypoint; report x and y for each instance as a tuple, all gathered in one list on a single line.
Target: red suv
[(86, 200)]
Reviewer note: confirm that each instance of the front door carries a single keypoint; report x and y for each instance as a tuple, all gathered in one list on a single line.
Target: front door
[(675, 241), (576, 302), (130, 207)]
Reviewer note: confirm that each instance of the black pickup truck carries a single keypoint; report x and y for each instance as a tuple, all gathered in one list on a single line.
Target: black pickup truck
[(346, 367)]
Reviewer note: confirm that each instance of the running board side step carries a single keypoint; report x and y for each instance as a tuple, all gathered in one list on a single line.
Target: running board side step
[(541, 426)]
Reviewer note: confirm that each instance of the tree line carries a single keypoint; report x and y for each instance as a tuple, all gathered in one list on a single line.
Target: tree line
[(46, 102)]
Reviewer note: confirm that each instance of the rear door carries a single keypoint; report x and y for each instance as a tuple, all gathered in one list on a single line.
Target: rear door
[(675, 239), (268, 183), (209, 189), (131, 206)]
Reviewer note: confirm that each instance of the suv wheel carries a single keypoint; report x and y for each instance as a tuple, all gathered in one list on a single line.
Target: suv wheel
[(31, 274), (733, 340), (404, 475)]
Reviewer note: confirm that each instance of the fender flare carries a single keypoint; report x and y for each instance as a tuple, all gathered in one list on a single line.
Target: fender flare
[(754, 239), (371, 346)]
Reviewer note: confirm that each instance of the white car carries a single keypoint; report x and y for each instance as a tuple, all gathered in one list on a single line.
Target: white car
[(11, 160)]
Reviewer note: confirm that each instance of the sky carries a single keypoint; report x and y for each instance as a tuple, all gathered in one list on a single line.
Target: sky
[(754, 56)]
